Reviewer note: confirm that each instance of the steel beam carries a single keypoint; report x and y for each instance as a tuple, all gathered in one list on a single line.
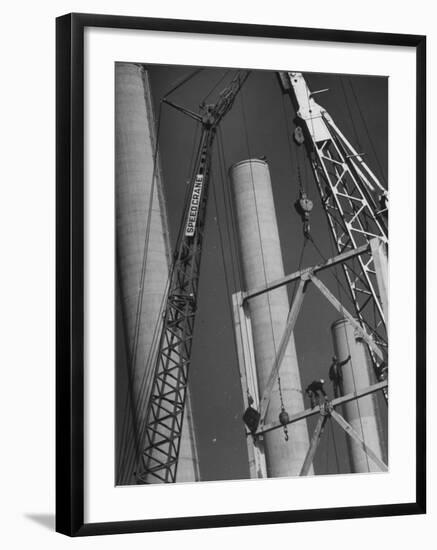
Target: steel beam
[(340, 258), (314, 444), (335, 402), (353, 434), (343, 311), (249, 384), (289, 327)]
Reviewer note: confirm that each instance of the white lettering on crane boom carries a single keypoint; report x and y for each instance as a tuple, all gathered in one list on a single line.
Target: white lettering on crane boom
[(193, 211)]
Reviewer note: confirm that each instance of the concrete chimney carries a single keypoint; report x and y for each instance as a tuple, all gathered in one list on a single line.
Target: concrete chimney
[(261, 261)]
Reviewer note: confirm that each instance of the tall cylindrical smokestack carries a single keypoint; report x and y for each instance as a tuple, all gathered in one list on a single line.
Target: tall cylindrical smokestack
[(261, 260), (362, 414), (143, 254)]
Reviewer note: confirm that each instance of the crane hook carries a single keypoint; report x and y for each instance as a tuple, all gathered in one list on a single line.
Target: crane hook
[(303, 207)]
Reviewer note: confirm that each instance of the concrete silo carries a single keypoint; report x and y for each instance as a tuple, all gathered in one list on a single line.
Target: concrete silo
[(362, 414), (143, 258), (261, 261)]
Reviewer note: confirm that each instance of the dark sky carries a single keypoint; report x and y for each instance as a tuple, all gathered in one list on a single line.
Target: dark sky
[(266, 117)]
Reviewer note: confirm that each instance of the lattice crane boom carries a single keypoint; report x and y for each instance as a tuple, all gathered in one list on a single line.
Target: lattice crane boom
[(166, 401), (347, 188)]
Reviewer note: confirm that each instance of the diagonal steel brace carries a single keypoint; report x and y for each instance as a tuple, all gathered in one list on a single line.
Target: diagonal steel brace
[(290, 324)]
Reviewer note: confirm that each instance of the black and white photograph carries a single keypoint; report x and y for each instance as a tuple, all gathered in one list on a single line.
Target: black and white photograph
[(251, 239), (215, 229)]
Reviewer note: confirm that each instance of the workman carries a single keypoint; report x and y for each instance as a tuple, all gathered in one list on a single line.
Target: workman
[(336, 374), (315, 391)]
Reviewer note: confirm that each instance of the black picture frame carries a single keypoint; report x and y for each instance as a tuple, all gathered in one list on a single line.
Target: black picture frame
[(70, 273)]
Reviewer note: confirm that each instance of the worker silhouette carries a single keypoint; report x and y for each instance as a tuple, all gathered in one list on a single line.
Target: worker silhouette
[(315, 391), (336, 375)]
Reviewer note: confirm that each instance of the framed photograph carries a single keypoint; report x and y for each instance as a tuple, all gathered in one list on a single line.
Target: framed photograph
[(237, 343)]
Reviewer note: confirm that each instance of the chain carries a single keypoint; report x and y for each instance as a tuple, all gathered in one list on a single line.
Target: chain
[(299, 179)]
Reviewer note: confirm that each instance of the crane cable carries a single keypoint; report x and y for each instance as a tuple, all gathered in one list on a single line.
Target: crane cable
[(372, 145), (181, 81), (222, 249), (215, 86), (295, 155), (129, 455), (146, 374), (132, 357), (335, 275), (236, 274), (351, 116), (146, 385), (129, 450), (339, 286), (262, 251), (233, 240), (350, 356), (302, 186), (126, 461), (296, 284)]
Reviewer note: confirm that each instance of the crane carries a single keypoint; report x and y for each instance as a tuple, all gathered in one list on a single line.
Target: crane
[(346, 186), (166, 402), (347, 189)]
